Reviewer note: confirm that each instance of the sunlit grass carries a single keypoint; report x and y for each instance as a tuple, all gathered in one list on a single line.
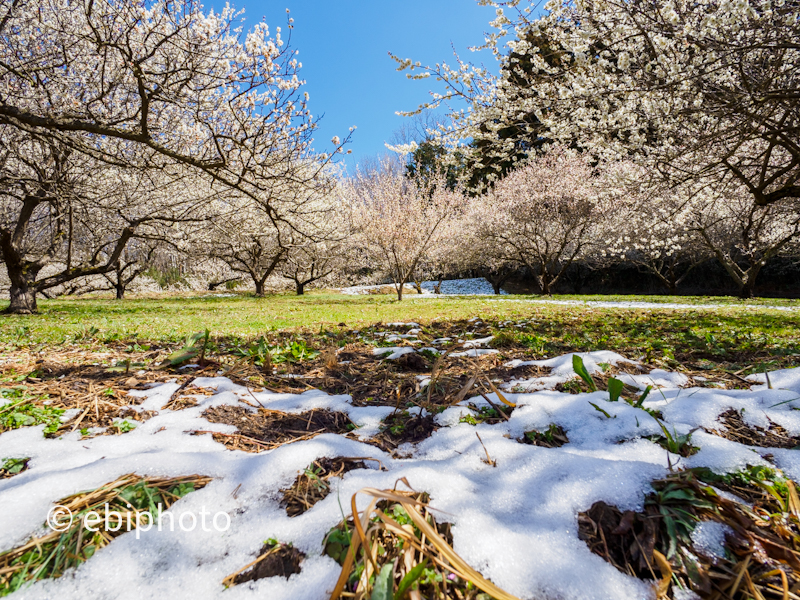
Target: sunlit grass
[(733, 332)]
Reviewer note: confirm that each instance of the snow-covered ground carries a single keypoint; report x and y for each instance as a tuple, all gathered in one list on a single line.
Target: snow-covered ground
[(650, 305), (516, 522), (480, 287), (450, 287)]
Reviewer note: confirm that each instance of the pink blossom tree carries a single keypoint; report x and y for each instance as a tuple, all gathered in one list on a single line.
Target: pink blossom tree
[(544, 215), (400, 222)]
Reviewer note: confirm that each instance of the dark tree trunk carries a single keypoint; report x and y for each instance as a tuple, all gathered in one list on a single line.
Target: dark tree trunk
[(301, 288), (400, 292), (497, 279), (259, 287), (746, 290), (544, 282), (120, 291), (23, 290), (23, 300)]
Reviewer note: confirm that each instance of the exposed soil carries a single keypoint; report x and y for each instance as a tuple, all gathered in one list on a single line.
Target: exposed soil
[(412, 362), (313, 484), (266, 429), (554, 437), (404, 427), (737, 430), (656, 544), (282, 560), (491, 415), (626, 540)]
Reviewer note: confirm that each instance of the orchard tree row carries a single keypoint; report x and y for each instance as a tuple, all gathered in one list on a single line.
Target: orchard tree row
[(139, 136), (383, 225), (127, 127)]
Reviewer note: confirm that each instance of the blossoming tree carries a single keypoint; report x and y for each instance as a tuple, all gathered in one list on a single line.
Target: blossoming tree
[(400, 221), (694, 89), (544, 215), (152, 85)]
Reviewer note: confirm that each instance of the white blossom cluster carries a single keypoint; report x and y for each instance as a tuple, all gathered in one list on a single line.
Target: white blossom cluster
[(690, 89)]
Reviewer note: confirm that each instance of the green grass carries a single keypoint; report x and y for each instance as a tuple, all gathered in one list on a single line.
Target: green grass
[(734, 333), (169, 318)]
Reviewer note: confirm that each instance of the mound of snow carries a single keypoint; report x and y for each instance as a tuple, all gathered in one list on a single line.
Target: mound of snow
[(516, 522)]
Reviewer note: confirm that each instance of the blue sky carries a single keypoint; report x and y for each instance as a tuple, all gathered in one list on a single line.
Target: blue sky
[(344, 47)]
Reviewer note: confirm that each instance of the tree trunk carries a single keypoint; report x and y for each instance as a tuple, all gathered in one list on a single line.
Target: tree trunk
[(498, 279), (301, 288), (746, 291), (120, 291), (23, 300), (259, 287), (22, 276), (400, 292), (544, 282)]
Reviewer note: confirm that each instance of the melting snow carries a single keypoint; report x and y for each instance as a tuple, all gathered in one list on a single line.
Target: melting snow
[(516, 522)]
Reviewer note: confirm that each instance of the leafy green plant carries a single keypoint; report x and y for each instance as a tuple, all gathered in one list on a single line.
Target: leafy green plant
[(580, 370), (483, 413), (262, 354), (22, 333), (258, 353), (195, 345), (671, 498), (573, 386), (614, 389), (600, 410), (12, 466), (553, 437), (642, 397), (294, 351), (57, 551), (86, 334), (24, 413), (674, 442), (534, 342), (428, 353), (123, 426)]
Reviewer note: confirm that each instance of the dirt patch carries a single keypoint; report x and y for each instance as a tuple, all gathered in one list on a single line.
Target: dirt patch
[(274, 560), (313, 484), (266, 429), (737, 430), (626, 540), (404, 427), (491, 415), (759, 558), (553, 437), (412, 362)]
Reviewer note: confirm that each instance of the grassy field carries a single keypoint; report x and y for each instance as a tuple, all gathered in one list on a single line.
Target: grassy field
[(737, 333), (77, 368)]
